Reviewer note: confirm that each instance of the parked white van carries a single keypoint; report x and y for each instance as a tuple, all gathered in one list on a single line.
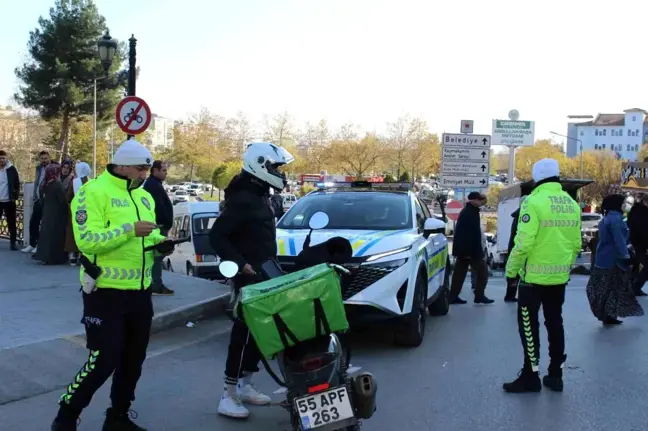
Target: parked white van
[(288, 200), (195, 258)]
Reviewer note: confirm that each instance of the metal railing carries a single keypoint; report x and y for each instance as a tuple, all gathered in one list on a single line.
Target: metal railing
[(20, 224)]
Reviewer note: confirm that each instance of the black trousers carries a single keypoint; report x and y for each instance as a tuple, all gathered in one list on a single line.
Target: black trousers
[(243, 355), (478, 266), (9, 211), (118, 328), (642, 275), (551, 298), (35, 222)]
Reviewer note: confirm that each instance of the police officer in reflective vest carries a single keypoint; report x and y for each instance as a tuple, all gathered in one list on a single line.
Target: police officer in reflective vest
[(547, 243), (113, 222)]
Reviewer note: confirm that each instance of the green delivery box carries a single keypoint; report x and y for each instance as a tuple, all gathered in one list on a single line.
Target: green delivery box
[(295, 307)]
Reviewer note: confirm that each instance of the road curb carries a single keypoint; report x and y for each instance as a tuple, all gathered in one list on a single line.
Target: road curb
[(211, 307)]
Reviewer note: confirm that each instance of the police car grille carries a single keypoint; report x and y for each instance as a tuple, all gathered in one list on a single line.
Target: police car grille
[(361, 278)]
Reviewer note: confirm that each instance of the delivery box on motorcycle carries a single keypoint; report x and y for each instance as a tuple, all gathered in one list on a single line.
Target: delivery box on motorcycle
[(293, 308)]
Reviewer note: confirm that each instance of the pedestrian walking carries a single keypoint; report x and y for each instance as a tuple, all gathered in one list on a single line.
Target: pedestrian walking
[(9, 191), (163, 217), (51, 247), (546, 245), (37, 206), (82, 171), (638, 225), (609, 288), (114, 224), (467, 248), (277, 204)]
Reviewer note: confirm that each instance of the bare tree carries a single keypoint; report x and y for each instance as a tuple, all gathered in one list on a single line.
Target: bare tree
[(279, 129), (314, 143), (237, 134)]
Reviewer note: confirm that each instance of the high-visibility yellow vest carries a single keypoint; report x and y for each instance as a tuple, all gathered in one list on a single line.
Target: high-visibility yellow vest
[(548, 238), (104, 212)]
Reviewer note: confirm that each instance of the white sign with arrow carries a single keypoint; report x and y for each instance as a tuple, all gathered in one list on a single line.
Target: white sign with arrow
[(463, 181), (465, 168), (466, 154), (462, 140)]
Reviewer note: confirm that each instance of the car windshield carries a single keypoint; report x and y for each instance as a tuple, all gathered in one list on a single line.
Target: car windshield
[(352, 210), (202, 223)]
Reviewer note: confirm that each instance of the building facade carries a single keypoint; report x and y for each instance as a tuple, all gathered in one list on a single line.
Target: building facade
[(623, 134), (160, 133)]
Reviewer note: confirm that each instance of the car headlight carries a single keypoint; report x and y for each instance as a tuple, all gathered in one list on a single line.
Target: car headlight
[(389, 265), (387, 253)]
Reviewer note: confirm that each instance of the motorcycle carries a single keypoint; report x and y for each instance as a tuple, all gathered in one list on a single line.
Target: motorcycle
[(323, 391)]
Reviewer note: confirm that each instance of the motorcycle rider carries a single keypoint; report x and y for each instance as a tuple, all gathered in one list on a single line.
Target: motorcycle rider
[(245, 233)]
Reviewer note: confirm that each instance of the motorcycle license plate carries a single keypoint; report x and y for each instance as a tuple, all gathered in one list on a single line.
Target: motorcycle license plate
[(324, 408)]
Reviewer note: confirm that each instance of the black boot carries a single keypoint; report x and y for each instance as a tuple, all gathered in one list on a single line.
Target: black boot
[(116, 421), (64, 425), (527, 381), (553, 380)]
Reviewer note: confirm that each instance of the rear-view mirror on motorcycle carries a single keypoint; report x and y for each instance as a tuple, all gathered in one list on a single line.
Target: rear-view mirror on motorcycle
[(228, 269), (319, 220)]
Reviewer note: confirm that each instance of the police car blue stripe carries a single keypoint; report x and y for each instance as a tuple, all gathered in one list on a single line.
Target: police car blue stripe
[(375, 241), (291, 246)]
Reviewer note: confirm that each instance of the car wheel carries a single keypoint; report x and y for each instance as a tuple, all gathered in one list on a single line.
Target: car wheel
[(441, 305), (190, 270), (411, 329), (168, 266)]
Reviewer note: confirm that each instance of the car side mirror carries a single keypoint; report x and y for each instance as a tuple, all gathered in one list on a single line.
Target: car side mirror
[(433, 226)]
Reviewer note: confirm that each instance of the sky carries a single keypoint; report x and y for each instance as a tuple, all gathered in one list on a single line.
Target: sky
[(371, 61)]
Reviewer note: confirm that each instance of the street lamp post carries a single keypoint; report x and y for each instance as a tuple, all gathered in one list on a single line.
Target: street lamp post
[(107, 47), (580, 148)]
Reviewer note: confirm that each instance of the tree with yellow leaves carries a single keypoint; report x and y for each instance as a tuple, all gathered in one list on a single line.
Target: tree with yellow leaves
[(358, 158)]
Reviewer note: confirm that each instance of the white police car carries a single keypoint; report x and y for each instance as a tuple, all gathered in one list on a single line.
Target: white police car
[(399, 251)]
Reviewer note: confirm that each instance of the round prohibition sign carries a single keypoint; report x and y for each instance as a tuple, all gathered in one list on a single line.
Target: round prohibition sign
[(133, 115)]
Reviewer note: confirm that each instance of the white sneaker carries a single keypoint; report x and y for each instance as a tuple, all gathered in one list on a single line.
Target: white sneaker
[(249, 394), (34, 250), (27, 249), (232, 407)]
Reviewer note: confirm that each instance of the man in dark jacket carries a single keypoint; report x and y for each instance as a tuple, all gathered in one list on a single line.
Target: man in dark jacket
[(512, 283), (163, 217), (637, 223), (245, 233), (468, 251), (9, 190)]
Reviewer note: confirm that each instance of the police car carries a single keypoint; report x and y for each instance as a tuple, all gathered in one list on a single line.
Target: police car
[(399, 258)]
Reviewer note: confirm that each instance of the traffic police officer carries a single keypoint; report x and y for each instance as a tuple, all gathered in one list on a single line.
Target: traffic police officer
[(114, 221), (547, 243)]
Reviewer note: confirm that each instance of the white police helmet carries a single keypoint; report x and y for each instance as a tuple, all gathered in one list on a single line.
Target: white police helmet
[(263, 160)]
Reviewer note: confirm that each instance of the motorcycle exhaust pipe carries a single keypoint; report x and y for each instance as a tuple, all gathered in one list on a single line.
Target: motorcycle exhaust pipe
[(365, 388)]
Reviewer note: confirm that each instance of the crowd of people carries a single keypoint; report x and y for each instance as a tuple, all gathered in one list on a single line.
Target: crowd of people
[(51, 240)]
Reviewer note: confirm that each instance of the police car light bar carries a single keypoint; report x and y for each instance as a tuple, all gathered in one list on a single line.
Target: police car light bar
[(402, 186)]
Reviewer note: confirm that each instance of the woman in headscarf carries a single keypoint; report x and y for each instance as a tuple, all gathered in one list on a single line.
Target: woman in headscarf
[(66, 173), (51, 245), (609, 289), (82, 176)]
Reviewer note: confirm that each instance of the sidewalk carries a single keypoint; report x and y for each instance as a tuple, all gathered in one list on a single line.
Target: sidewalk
[(40, 313)]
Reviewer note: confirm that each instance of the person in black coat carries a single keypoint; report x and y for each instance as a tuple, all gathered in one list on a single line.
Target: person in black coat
[(468, 251), (638, 226), (511, 283), (163, 217), (9, 191)]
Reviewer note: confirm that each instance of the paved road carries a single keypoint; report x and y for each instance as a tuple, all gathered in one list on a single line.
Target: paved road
[(451, 383)]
